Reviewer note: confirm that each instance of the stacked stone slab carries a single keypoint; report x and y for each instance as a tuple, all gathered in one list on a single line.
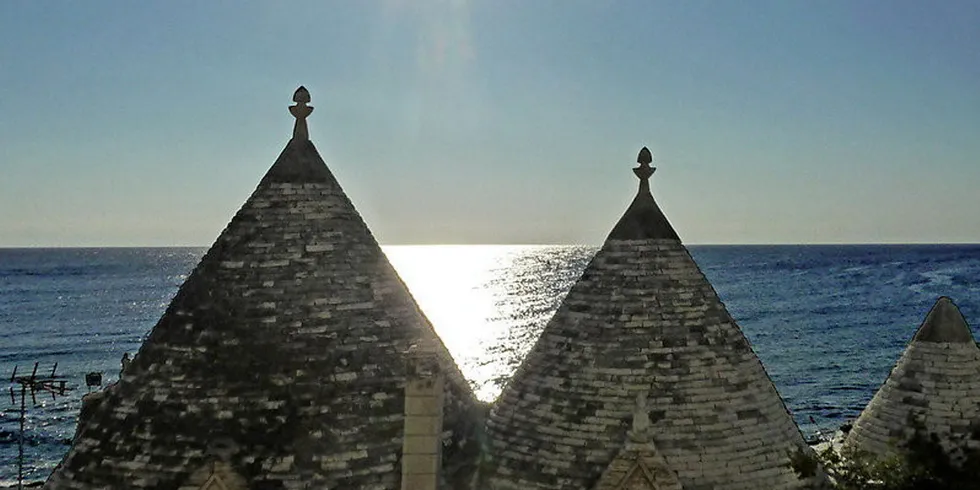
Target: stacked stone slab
[(934, 388), (642, 318), (280, 362)]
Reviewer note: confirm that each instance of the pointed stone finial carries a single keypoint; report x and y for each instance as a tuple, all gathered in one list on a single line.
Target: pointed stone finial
[(301, 95), (644, 171), (645, 157), (643, 220), (641, 420), (300, 111)]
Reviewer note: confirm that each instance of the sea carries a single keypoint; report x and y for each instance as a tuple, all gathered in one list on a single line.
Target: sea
[(827, 321)]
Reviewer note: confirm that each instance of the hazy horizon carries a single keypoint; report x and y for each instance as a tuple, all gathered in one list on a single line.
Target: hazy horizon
[(456, 121), (594, 245)]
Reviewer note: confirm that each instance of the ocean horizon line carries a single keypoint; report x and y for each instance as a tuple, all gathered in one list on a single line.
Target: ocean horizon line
[(690, 244)]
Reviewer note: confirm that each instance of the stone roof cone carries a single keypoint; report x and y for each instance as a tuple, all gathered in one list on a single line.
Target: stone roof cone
[(280, 363), (933, 386), (641, 319)]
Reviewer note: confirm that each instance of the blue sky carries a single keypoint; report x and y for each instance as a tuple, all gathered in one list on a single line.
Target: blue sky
[(150, 123)]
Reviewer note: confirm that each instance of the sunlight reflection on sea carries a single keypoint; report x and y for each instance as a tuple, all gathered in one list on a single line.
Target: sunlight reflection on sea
[(488, 303)]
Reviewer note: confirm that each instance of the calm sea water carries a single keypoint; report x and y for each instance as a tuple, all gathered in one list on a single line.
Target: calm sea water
[(827, 321)]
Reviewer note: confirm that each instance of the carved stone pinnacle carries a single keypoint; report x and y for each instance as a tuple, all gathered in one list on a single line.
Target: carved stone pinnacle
[(301, 95), (645, 157), (640, 431), (301, 111), (644, 171)]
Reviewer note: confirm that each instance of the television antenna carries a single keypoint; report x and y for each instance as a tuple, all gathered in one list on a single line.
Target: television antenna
[(53, 383)]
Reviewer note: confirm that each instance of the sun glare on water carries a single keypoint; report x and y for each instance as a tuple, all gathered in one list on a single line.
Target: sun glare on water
[(455, 287), (488, 302)]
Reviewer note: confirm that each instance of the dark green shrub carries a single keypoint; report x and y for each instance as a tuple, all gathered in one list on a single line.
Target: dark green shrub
[(922, 464)]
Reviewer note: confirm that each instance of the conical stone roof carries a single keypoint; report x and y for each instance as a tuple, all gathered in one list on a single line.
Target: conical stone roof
[(642, 318), (933, 388), (280, 360)]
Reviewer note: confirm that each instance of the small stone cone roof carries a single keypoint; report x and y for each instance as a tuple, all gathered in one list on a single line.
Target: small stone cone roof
[(642, 318), (281, 357), (934, 385)]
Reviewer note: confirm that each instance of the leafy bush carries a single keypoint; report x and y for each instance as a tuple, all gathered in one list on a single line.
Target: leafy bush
[(922, 464)]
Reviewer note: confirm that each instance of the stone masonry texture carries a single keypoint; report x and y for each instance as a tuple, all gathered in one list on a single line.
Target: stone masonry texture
[(638, 467), (641, 319), (284, 347), (933, 386)]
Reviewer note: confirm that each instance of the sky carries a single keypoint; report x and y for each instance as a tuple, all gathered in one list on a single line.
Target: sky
[(496, 121)]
